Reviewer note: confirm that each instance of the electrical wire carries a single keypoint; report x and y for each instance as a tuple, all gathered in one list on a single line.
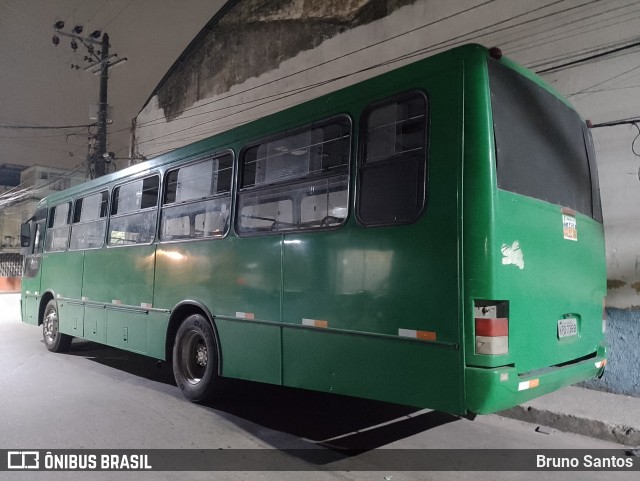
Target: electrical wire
[(303, 89), (46, 127), (520, 44), (610, 79), (117, 15), (585, 59), (422, 51), (26, 193), (334, 59)]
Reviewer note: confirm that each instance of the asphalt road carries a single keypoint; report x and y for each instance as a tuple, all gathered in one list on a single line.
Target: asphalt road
[(99, 398)]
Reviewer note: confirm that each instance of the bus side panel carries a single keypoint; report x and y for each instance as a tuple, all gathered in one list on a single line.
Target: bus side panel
[(384, 283), (62, 273), (394, 370), (31, 304), (31, 292), (250, 350), (235, 279), (121, 278)]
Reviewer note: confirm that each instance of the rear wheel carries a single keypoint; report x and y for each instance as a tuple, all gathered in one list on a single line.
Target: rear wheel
[(195, 358), (54, 340)]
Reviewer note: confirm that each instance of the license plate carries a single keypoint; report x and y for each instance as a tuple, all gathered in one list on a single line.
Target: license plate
[(567, 328)]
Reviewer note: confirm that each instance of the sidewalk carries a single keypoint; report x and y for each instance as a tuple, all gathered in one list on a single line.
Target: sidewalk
[(597, 414), (10, 306)]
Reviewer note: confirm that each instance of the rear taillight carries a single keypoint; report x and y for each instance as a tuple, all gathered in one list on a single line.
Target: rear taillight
[(492, 327), (604, 319)]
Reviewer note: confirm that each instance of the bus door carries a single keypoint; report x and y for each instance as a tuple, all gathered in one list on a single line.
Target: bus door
[(118, 279), (32, 250), (62, 270)]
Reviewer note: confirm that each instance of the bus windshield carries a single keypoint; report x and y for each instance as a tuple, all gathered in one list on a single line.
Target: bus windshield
[(543, 149)]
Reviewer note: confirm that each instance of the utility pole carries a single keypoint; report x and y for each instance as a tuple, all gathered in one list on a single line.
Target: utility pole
[(98, 158), (101, 140)]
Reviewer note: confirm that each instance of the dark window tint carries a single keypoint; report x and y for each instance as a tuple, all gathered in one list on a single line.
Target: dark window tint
[(393, 161), (541, 144)]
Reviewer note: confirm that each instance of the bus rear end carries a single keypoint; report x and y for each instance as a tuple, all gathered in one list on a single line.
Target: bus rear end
[(533, 252)]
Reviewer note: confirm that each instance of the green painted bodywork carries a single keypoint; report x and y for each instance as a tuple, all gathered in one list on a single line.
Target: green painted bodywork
[(365, 284)]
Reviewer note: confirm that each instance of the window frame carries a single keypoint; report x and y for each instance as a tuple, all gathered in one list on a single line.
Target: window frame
[(51, 229), (229, 194), (362, 165), (292, 182), (105, 218), (142, 177)]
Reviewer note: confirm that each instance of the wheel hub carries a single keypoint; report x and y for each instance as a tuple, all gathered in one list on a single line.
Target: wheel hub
[(50, 323), (202, 356)]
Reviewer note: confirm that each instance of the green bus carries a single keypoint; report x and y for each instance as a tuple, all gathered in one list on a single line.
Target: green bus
[(431, 236)]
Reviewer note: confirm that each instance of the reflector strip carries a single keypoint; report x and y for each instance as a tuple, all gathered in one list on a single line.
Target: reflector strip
[(601, 364), (492, 345), (422, 335), (523, 386), (314, 323), (492, 327), (245, 315), (116, 301)]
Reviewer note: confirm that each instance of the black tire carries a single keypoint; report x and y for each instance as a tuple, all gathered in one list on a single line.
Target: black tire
[(195, 359), (54, 340)]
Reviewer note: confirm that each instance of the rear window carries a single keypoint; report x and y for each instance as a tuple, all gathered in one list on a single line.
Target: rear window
[(543, 149)]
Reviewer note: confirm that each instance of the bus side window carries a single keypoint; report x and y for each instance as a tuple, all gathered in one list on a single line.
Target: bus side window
[(58, 228), (41, 218), (197, 200), (297, 181), (89, 221), (393, 158), (133, 212)]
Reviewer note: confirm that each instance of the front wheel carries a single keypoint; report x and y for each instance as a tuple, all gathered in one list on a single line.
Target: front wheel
[(53, 338), (195, 360)]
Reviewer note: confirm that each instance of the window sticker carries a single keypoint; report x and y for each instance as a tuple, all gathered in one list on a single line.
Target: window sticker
[(570, 227)]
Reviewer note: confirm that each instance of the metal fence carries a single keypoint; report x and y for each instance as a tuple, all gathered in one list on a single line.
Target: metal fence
[(10, 265)]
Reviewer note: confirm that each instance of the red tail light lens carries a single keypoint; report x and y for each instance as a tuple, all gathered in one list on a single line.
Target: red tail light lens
[(492, 327)]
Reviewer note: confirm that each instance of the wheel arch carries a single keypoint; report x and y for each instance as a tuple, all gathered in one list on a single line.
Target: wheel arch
[(47, 296), (179, 313)]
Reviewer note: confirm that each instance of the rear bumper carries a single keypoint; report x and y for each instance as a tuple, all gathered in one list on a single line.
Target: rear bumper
[(494, 389)]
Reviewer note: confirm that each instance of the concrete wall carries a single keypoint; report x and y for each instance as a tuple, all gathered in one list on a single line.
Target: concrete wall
[(266, 56)]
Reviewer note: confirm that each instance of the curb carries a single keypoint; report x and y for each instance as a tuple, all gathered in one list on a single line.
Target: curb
[(617, 433)]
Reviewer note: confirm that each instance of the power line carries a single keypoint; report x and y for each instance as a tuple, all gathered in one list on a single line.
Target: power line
[(586, 59), (46, 127), (334, 59), (520, 45), (447, 43)]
